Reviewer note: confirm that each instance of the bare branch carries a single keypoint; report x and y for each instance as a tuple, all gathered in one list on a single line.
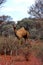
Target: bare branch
[(37, 9), (2, 1)]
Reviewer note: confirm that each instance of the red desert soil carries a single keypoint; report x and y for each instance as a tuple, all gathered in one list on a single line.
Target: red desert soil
[(20, 60), (10, 60)]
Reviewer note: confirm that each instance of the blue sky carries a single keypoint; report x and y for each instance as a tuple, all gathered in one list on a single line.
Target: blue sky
[(17, 9)]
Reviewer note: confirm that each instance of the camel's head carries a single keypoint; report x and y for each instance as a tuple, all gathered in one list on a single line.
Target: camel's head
[(14, 26)]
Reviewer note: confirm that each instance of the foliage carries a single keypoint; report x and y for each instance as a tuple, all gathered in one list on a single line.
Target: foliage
[(34, 26), (36, 10), (13, 46), (7, 28), (38, 50), (5, 18), (26, 23), (2, 1)]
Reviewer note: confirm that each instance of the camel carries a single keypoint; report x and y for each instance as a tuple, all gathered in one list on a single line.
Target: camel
[(21, 33)]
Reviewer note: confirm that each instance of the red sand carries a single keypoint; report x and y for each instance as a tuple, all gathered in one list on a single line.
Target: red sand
[(10, 60)]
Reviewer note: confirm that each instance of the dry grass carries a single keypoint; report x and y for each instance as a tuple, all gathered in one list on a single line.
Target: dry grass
[(12, 46), (7, 43)]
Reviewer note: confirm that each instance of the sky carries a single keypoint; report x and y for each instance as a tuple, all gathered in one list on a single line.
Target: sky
[(17, 9)]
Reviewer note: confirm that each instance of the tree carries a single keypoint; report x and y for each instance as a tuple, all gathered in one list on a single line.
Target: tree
[(2, 1), (6, 25), (36, 10), (5, 18)]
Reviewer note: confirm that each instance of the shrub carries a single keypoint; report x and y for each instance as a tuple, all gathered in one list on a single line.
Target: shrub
[(38, 50)]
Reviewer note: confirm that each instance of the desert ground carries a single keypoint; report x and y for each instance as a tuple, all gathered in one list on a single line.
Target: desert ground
[(35, 56)]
